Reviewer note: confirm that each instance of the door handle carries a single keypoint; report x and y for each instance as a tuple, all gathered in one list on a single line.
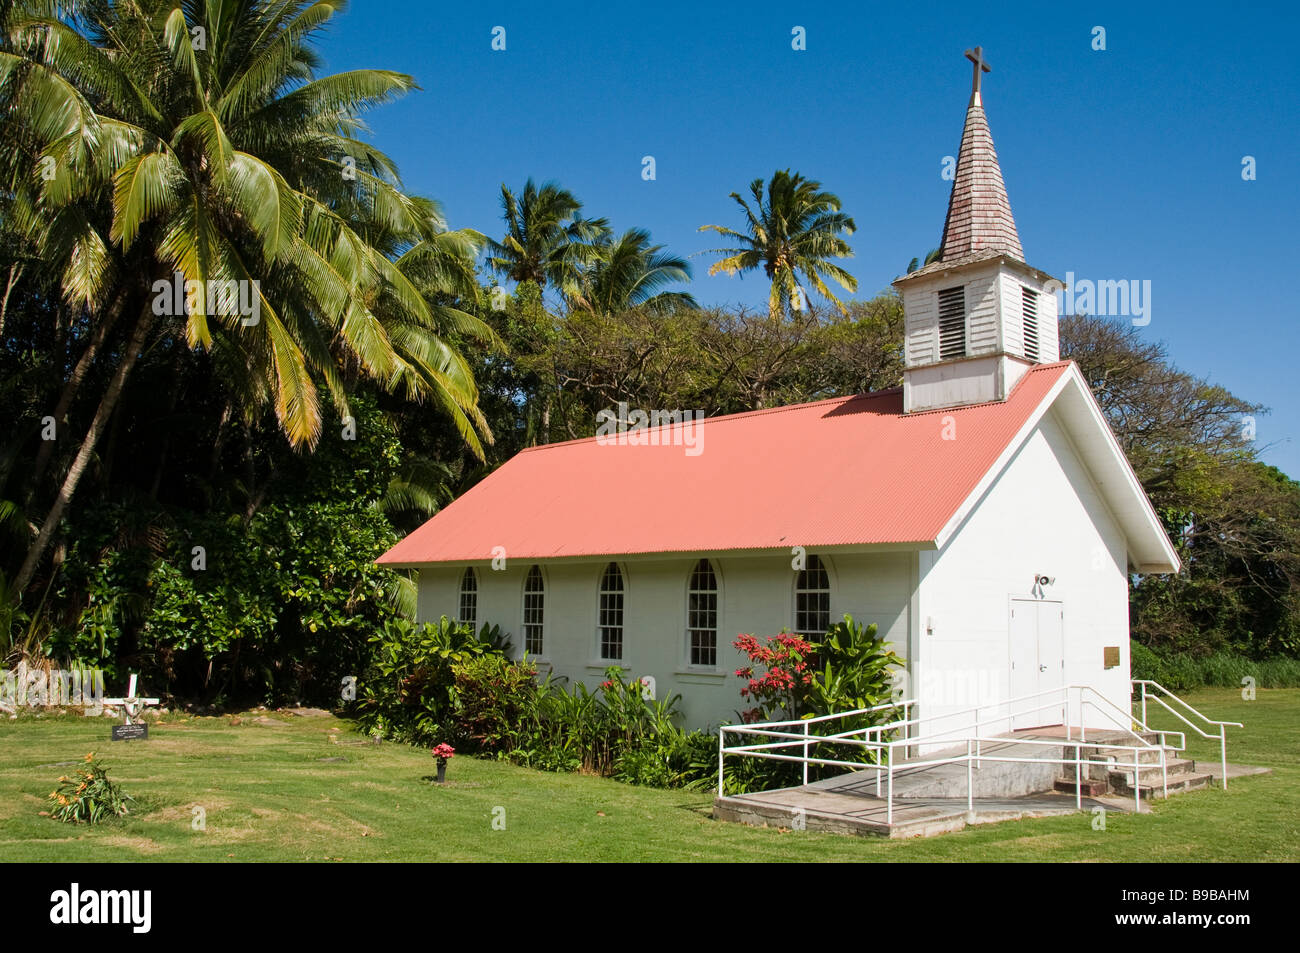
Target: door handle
[(1042, 668)]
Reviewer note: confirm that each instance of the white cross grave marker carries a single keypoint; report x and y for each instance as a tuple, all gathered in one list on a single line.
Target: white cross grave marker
[(131, 705)]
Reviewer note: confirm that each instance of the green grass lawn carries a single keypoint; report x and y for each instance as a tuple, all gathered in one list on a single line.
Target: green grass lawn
[(285, 792)]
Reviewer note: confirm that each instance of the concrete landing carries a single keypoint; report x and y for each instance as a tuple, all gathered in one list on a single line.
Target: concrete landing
[(931, 799), (838, 812), (1215, 770)]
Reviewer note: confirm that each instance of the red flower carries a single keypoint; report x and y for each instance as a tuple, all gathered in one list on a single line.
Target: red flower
[(787, 663), (443, 751)]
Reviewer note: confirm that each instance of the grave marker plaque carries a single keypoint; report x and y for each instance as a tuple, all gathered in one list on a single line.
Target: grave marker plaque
[(134, 732)]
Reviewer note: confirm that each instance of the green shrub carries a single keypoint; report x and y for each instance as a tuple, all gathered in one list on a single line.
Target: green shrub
[(1179, 671), (495, 703), (596, 728), (1146, 664), (280, 608), (280, 611), (649, 765), (612, 730), (88, 797), (442, 683), (850, 668), (790, 677), (855, 670), (407, 691), (1279, 673)]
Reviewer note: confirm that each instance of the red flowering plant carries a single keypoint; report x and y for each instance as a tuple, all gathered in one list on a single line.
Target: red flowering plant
[(443, 751), (850, 669), (779, 675)]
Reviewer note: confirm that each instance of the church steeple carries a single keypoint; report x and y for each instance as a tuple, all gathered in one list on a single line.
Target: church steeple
[(977, 317), (979, 213)]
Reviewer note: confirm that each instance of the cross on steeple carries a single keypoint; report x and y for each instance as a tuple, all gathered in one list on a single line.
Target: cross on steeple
[(976, 57)]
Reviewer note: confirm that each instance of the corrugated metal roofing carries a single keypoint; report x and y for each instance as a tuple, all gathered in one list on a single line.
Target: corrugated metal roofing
[(845, 471)]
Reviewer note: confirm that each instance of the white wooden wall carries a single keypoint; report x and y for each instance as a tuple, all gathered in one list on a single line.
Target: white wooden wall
[(994, 315), (1043, 515), (757, 598)]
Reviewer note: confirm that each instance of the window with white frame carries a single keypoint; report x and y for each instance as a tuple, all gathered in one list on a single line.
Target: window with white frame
[(534, 611), (610, 621), (812, 600), (702, 616), (468, 612)]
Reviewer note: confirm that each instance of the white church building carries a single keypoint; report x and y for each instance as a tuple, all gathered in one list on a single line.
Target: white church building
[(982, 515)]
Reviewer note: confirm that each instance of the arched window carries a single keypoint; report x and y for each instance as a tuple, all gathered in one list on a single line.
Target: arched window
[(812, 600), (534, 611), (610, 622), (702, 616), (468, 597)]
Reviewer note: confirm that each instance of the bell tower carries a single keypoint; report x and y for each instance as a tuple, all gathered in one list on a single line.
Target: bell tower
[(977, 317)]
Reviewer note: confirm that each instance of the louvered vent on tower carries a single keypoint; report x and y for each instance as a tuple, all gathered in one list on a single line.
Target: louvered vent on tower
[(1029, 309), (952, 323)]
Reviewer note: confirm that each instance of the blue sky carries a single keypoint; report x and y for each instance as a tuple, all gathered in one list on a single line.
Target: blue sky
[(1120, 164)]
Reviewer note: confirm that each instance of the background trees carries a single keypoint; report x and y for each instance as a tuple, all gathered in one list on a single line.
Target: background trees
[(629, 272), (1235, 521), (792, 232), (546, 241), (196, 145), (214, 490), (162, 143)]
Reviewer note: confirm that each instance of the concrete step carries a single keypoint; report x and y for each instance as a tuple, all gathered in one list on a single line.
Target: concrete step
[(1121, 782), (1099, 763), (1181, 773), (1104, 753), (1092, 787), (1174, 767)]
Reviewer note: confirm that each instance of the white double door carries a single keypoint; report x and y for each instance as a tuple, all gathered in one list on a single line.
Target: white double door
[(1037, 659)]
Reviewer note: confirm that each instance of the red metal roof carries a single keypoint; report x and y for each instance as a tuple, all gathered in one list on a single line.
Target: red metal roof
[(845, 471)]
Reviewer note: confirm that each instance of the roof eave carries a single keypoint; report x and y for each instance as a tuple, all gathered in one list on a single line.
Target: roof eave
[(1002, 258), (780, 550), (1144, 526)]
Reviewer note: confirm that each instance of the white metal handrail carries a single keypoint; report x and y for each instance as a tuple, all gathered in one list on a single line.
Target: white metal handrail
[(1223, 726), (973, 711), (904, 704), (934, 736), (1164, 734), (973, 741)]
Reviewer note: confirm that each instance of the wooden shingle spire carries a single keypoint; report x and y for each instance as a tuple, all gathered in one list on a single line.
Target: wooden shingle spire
[(979, 217)]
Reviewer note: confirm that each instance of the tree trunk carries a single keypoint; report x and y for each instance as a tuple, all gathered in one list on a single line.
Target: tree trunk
[(15, 272), (72, 386), (219, 444), (106, 406)]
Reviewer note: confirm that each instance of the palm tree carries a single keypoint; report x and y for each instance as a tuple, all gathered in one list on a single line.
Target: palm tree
[(629, 272), (791, 232), (915, 263), (196, 139), (547, 241)]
